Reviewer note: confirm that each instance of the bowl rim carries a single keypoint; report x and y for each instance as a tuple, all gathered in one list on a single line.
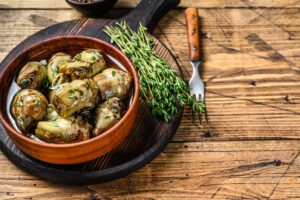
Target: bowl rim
[(135, 99), (91, 3)]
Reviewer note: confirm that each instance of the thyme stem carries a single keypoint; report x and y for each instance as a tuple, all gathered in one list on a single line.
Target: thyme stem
[(159, 84)]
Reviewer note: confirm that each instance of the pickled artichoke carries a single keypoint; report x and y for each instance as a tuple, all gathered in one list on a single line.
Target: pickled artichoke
[(54, 64), (113, 83), (108, 114), (70, 98), (59, 79), (33, 75), (85, 65), (28, 107), (63, 130)]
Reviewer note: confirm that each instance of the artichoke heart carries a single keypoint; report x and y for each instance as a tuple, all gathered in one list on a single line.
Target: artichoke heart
[(108, 114), (71, 97), (33, 75), (85, 65), (76, 69), (60, 79), (28, 107), (51, 114), (63, 130), (54, 64), (113, 83)]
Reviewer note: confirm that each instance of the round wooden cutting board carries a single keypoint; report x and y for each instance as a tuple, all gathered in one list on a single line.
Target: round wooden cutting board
[(149, 135)]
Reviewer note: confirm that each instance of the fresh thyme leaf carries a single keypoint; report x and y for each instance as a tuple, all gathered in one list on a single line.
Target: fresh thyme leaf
[(38, 101), (113, 73), (96, 87), (71, 91), (114, 110), (79, 56), (93, 58), (33, 100), (160, 86)]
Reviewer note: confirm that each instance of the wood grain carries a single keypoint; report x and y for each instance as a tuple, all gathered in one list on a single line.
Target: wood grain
[(250, 149), (217, 170), (61, 4)]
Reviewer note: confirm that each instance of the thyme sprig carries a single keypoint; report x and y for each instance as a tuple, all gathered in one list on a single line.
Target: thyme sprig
[(159, 84)]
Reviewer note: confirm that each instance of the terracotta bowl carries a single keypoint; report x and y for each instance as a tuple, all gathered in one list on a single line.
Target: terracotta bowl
[(74, 152)]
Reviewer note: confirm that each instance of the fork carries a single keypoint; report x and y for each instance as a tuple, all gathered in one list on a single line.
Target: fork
[(196, 84)]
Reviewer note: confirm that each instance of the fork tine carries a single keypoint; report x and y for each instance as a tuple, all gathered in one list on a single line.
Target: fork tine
[(197, 97), (205, 114), (199, 116)]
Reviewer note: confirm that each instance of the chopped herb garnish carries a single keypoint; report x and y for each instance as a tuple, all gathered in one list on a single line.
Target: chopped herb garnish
[(113, 73), (24, 81), (71, 90), (33, 100), (66, 140), (38, 101), (61, 135), (54, 87), (53, 136), (55, 124), (86, 82), (79, 56), (51, 63), (96, 87), (71, 96), (55, 118), (19, 92), (19, 104), (55, 71), (114, 110), (27, 63), (77, 73), (98, 54), (110, 104), (93, 58), (106, 98)]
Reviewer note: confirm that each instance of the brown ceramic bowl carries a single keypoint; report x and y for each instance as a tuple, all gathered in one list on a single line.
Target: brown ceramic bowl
[(74, 152)]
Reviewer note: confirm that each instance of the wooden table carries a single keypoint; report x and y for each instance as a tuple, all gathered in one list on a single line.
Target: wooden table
[(251, 147)]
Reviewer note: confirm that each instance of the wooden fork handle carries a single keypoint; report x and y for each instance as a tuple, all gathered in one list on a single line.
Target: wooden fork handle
[(192, 21)]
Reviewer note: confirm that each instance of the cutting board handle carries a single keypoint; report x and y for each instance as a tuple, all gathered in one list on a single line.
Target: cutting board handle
[(148, 12)]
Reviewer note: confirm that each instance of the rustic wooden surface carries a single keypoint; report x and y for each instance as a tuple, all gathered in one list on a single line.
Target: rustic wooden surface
[(251, 147)]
